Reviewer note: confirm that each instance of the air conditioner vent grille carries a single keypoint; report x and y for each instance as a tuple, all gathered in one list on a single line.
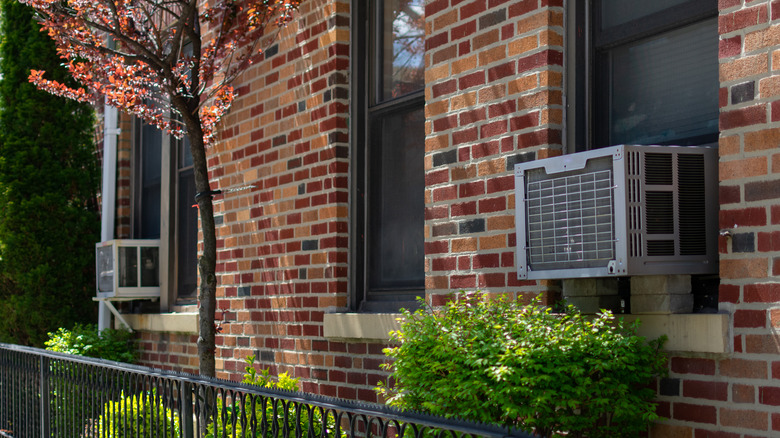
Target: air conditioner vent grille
[(660, 212), (658, 169), (658, 248), (693, 237), (570, 219)]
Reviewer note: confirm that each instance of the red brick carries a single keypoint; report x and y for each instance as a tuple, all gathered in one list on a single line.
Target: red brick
[(749, 318), (463, 30), (730, 47), (464, 209), (475, 188), (683, 365), (443, 88), (755, 216), (463, 281), (501, 109), (434, 41), (471, 9), (545, 58), (738, 118), (745, 419), (501, 184), (762, 344), (769, 395), (743, 368), (729, 194), (471, 80), (525, 121), (471, 116), (492, 205), (705, 390), (741, 19), (768, 241), (501, 71), (486, 149), (743, 393), (481, 261), (465, 136), (699, 433), (728, 293), (435, 7), (522, 7), (694, 413), (493, 129), (762, 293)]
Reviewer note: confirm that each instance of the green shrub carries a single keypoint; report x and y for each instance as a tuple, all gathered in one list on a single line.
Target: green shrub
[(86, 340), (234, 412), (136, 416), (501, 362)]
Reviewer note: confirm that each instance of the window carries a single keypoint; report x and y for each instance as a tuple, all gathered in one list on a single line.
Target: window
[(388, 138), (164, 193), (642, 73)]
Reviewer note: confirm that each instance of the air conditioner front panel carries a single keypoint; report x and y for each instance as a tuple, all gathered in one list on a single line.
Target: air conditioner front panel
[(128, 269), (571, 217), (623, 210)]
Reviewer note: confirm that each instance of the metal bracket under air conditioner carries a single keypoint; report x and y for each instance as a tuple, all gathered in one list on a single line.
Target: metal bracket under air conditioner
[(113, 310)]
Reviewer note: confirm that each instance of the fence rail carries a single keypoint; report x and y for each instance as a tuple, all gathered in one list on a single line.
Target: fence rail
[(46, 394)]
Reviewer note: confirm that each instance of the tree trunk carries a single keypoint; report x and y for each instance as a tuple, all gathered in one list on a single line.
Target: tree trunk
[(207, 263)]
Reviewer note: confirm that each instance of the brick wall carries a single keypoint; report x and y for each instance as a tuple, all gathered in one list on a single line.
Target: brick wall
[(738, 394), (494, 87), (493, 98)]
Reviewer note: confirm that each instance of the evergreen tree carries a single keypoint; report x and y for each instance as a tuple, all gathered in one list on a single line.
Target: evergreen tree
[(48, 183)]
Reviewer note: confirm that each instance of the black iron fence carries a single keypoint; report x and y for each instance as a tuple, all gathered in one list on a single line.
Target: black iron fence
[(47, 394)]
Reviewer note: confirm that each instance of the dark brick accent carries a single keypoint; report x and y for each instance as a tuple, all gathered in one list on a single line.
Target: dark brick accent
[(444, 158), (301, 188), (518, 158), (472, 226), (302, 106), (309, 245), (279, 140), (743, 92), (492, 19), (219, 220), (267, 356), (244, 291), (271, 51), (758, 191), (743, 242), (669, 387)]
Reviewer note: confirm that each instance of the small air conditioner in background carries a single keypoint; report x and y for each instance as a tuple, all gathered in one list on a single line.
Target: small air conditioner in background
[(618, 211), (128, 269)]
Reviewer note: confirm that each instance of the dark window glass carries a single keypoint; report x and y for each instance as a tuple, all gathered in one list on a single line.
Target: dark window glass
[(664, 89), (149, 143), (655, 73), (400, 36), (186, 225), (396, 201), (389, 137)]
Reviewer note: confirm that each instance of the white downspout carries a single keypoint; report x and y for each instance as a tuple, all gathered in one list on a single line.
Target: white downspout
[(108, 193)]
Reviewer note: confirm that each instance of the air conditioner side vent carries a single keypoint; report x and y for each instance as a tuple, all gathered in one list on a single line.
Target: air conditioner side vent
[(692, 204), (660, 212), (658, 169)]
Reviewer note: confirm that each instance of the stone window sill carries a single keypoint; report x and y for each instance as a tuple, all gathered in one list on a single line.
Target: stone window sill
[(185, 322), (702, 333)]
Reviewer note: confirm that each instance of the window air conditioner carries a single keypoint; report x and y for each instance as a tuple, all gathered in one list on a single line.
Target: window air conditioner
[(618, 211), (128, 269)]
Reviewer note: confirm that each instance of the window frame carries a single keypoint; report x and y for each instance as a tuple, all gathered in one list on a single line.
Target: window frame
[(584, 40), (169, 215), (365, 108)]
